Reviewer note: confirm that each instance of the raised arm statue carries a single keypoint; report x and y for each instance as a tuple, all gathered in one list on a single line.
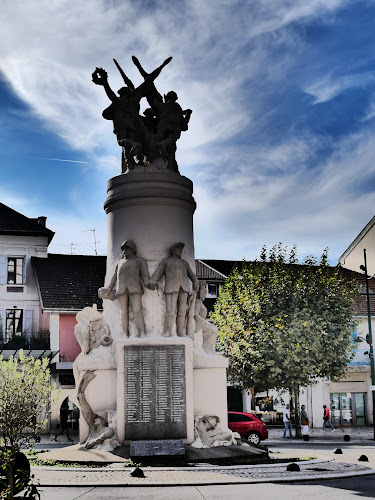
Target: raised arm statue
[(171, 119), (124, 112)]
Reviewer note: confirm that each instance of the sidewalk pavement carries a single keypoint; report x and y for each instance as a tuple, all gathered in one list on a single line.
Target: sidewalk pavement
[(318, 436), (275, 435), (326, 465)]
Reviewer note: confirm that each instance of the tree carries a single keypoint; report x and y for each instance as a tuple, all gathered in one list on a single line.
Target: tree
[(25, 398), (284, 325)]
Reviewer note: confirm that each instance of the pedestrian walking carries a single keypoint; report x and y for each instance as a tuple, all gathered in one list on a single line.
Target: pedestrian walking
[(326, 418), (64, 424), (287, 422), (304, 421)]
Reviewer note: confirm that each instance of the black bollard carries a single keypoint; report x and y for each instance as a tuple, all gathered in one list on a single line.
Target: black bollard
[(137, 472), (293, 467), (346, 437), (338, 451), (306, 437), (363, 458)]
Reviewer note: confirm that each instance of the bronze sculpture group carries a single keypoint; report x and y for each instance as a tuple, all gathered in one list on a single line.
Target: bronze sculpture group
[(152, 136)]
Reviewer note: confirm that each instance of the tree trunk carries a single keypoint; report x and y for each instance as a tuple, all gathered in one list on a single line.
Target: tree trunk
[(10, 479), (252, 392), (297, 414)]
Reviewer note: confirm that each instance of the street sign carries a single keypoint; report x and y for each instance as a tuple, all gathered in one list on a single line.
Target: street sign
[(372, 387)]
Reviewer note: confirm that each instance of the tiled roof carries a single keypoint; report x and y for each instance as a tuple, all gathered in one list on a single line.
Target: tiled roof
[(205, 272), (14, 223), (224, 267), (70, 282)]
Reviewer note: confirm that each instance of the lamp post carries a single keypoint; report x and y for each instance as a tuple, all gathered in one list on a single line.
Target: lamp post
[(364, 268)]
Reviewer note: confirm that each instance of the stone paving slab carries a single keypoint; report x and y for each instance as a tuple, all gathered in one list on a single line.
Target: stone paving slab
[(197, 476)]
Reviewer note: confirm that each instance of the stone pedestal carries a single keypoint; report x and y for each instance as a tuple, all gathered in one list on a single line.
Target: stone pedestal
[(210, 387), (155, 210), (155, 389)]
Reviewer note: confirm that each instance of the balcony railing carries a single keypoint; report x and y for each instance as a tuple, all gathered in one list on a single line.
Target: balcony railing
[(37, 340)]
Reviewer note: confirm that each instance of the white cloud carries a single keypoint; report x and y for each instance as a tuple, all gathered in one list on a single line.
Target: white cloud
[(220, 51), (331, 86)]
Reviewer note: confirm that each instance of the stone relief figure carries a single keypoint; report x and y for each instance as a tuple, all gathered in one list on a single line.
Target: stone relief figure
[(101, 435), (208, 329), (177, 273), (124, 112), (94, 337), (209, 433), (126, 285)]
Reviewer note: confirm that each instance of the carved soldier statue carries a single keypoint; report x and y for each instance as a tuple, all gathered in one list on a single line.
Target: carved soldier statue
[(177, 273), (126, 285)]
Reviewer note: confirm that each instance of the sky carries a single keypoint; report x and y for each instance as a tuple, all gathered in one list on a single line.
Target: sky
[(280, 145)]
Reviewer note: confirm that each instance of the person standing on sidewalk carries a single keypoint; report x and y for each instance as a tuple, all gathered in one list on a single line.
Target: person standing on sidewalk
[(304, 421), (64, 424), (326, 418), (287, 422)]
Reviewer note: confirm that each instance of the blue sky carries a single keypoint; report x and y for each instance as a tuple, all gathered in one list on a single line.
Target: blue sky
[(280, 145)]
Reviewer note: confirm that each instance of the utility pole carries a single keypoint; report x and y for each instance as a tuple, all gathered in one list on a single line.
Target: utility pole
[(364, 268)]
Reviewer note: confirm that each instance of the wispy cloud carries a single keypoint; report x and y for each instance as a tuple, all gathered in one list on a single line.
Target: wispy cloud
[(279, 136), (60, 159)]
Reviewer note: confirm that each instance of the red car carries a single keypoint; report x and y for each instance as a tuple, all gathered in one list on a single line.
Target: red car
[(247, 425)]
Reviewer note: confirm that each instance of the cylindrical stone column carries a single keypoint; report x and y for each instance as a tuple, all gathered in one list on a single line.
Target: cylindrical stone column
[(155, 210)]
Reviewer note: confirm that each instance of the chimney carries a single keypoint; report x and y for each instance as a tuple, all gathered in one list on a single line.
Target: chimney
[(42, 220)]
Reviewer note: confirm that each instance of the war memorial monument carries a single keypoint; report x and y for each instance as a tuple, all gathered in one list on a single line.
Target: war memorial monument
[(148, 375)]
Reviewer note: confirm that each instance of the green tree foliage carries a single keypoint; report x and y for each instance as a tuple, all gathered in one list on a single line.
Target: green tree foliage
[(284, 324), (25, 398)]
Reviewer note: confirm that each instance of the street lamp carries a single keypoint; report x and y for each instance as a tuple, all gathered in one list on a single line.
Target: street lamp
[(364, 268)]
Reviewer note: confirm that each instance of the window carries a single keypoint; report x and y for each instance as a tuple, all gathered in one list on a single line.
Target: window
[(14, 321), (212, 290), (237, 417), (15, 270)]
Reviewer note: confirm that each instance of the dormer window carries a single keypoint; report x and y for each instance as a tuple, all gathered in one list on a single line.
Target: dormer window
[(15, 271)]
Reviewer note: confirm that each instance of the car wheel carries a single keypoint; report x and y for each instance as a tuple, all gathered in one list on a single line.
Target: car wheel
[(253, 437)]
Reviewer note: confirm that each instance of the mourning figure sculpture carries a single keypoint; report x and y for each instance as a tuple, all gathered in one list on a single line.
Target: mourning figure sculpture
[(210, 434), (101, 435), (91, 330), (94, 337), (126, 285), (177, 273)]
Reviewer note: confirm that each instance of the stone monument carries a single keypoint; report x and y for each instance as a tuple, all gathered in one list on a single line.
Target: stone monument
[(148, 365)]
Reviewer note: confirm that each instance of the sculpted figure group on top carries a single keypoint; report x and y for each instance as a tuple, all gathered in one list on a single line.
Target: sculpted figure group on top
[(152, 136)]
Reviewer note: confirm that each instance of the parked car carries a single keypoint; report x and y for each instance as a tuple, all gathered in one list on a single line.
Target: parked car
[(247, 425)]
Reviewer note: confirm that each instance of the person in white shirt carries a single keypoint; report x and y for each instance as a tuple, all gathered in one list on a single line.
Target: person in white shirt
[(287, 422)]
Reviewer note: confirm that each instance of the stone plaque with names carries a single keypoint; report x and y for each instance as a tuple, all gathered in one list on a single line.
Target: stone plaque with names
[(155, 392)]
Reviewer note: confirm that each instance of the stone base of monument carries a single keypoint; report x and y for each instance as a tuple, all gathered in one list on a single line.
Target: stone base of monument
[(164, 455), (226, 455), (149, 451)]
